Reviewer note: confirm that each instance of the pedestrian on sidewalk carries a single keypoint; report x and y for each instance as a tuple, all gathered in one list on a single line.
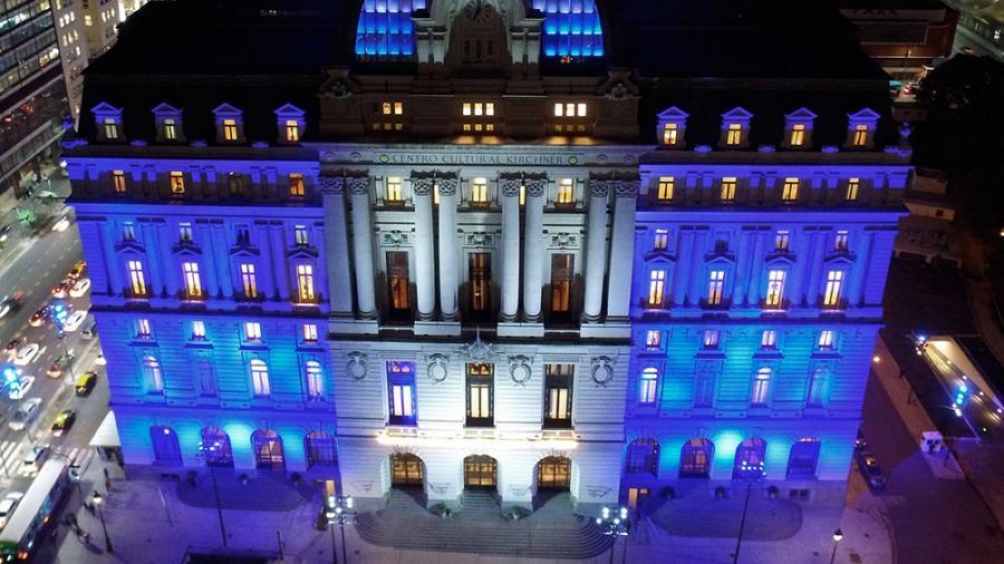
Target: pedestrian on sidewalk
[(108, 480)]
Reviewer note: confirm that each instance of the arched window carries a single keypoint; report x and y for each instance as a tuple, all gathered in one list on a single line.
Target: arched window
[(216, 447), (749, 459), (406, 470), (152, 374), (320, 448), (166, 450), (696, 457), (642, 457), (259, 378), (315, 380), (803, 459), (649, 386), (554, 472), (268, 451)]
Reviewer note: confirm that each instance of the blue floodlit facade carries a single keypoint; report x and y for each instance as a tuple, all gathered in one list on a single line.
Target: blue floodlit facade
[(385, 279)]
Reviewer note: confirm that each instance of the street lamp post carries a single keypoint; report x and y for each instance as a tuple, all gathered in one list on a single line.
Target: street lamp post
[(98, 500), (837, 537), (615, 525), (755, 473), (339, 512), (216, 488)]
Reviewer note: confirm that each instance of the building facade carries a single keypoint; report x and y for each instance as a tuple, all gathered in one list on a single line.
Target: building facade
[(480, 253)]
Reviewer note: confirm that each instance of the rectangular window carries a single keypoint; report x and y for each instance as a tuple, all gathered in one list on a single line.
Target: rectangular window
[(566, 191), (562, 277), (853, 184), (834, 279), (292, 131), (669, 134), (243, 233), (119, 181), (840, 241), (729, 189), (480, 394), (716, 287), (296, 188), (177, 183), (252, 331), (569, 110), (170, 129), (230, 130), (761, 385), (392, 108), (235, 184), (300, 236), (775, 288), (479, 192), (649, 386), (198, 331), (137, 281), (797, 135), (704, 389), (249, 282), (398, 282), (305, 283), (860, 135), (711, 338), (308, 332), (665, 193), (826, 340), (789, 192), (522, 196), (480, 275), (111, 129), (193, 282), (395, 190), (661, 241), (558, 394), (768, 340), (315, 380), (735, 135), (207, 376), (128, 231), (143, 329), (781, 241), (817, 387), (656, 288), (185, 232), (653, 339), (259, 379), (401, 388)]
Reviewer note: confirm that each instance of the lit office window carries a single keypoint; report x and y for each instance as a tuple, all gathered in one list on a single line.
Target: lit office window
[(230, 132), (193, 282), (249, 282), (252, 331), (308, 332), (768, 340), (395, 190), (797, 135), (661, 241), (716, 287), (729, 189), (775, 288), (143, 329), (119, 181), (296, 188), (315, 380), (734, 135), (566, 191), (761, 386), (259, 378), (656, 288), (834, 280), (649, 386), (789, 192), (292, 131), (853, 184), (653, 339), (198, 331), (137, 281), (479, 191), (711, 338), (781, 241), (665, 189), (305, 282)]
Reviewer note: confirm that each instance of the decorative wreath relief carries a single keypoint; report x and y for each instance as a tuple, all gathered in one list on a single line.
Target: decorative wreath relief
[(357, 365), (519, 369), (438, 367), (603, 370)]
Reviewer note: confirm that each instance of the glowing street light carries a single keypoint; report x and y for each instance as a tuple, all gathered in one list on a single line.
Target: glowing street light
[(97, 500), (838, 536)]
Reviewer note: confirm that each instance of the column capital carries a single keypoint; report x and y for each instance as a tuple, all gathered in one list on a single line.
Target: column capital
[(354, 183), (535, 184), (448, 185), (357, 185), (422, 186), (509, 184), (621, 185)]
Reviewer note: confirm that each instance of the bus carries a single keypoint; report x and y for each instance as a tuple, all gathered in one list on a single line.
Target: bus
[(37, 512)]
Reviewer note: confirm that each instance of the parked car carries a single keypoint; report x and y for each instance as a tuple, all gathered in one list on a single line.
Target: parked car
[(26, 354), (7, 506), (25, 413), (41, 317), (63, 422), (34, 460), (62, 289), (86, 383), (74, 321), (78, 269), (60, 365), (80, 287), (25, 384), (871, 470)]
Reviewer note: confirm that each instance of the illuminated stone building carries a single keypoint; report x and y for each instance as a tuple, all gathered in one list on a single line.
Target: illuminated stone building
[(438, 263)]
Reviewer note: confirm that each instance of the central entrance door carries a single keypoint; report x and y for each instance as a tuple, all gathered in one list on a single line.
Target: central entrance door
[(480, 472), (554, 472), (406, 470)]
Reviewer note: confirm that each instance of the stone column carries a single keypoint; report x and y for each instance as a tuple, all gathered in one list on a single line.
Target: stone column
[(684, 262), (622, 250), (362, 245), (448, 260), (425, 255), (596, 249), (510, 248), (757, 275), (156, 263), (813, 291), (164, 246), (534, 249), (224, 268), (282, 273), (741, 280), (202, 236), (336, 246), (697, 289), (117, 271), (860, 267)]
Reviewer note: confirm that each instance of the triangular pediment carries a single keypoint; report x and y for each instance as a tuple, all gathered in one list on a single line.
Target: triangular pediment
[(188, 251), (866, 114), (289, 110), (244, 251), (839, 258), (801, 114), (781, 258), (661, 258), (725, 259), (106, 109), (165, 109), (226, 110), (737, 113), (131, 247), (302, 253), (673, 113)]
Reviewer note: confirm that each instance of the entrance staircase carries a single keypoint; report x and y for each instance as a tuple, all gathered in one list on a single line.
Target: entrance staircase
[(478, 527)]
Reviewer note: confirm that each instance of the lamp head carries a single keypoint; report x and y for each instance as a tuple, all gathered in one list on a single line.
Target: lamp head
[(838, 535)]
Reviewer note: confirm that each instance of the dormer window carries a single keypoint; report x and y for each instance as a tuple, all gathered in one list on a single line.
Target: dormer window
[(798, 129), (167, 120), (108, 119), (735, 128), (290, 123), (229, 124), (861, 128), (671, 126)]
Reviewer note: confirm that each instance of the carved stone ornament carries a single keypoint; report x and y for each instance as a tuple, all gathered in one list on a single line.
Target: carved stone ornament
[(597, 492), (394, 239), (331, 185), (618, 85), (603, 370), (440, 487), (338, 84), (480, 240), (478, 350), (356, 366), (510, 186), (422, 186), (447, 186), (358, 184), (519, 369), (438, 368), (563, 241), (535, 186), (520, 490), (599, 188)]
